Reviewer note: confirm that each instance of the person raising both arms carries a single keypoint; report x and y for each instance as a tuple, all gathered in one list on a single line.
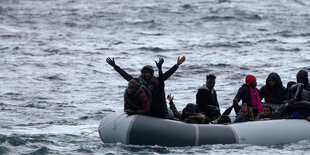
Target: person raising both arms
[(157, 88), (147, 72)]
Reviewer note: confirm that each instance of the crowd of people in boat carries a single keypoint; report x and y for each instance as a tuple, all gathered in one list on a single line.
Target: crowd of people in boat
[(146, 95)]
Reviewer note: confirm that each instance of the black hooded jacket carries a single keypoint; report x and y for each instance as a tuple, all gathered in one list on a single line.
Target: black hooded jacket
[(274, 95), (205, 99), (302, 74), (159, 105), (145, 82)]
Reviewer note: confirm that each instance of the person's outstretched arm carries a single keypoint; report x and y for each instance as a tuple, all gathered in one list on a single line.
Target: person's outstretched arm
[(159, 65), (168, 73), (173, 108), (123, 73), (235, 105)]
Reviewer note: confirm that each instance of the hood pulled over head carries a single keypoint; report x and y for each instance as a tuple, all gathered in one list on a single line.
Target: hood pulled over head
[(276, 77), (190, 107), (302, 74), (154, 81)]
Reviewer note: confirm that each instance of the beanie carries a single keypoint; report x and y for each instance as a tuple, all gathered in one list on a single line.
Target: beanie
[(249, 79), (147, 67)]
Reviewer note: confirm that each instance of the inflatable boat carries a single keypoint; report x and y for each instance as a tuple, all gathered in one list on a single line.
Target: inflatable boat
[(146, 130)]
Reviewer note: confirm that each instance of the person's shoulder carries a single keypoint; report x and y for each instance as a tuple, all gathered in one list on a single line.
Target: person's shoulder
[(203, 90), (244, 87), (263, 88)]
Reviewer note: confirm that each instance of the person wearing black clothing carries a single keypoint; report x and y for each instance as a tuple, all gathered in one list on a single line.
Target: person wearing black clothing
[(249, 94), (273, 92), (157, 88), (225, 119), (190, 114), (288, 95), (297, 108), (206, 98), (302, 77), (147, 72), (266, 114), (245, 114), (136, 100)]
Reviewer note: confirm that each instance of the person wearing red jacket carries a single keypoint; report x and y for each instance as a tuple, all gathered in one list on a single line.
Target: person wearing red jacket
[(136, 98)]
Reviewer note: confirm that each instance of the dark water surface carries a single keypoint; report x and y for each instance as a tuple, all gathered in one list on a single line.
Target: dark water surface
[(55, 85)]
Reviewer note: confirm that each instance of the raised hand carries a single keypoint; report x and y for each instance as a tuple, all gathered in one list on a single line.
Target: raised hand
[(170, 98), (159, 63), (180, 61), (110, 61)]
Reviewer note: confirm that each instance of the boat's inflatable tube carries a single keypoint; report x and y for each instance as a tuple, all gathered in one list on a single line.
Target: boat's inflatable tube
[(146, 130), (272, 132)]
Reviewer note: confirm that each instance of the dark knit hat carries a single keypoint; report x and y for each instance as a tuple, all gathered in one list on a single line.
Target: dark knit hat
[(154, 81), (134, 83), (147, 68)]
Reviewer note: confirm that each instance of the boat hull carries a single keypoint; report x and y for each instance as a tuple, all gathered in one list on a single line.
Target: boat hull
[(146, 130)]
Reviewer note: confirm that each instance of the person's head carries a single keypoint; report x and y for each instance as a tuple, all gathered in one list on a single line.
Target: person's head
[(214, 111), (153, 84), (147, 72), (133, 86), (250, 80), (267, 111), (289, 84), (210, 81), (302, 77), (273, 80), (190, 109)]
